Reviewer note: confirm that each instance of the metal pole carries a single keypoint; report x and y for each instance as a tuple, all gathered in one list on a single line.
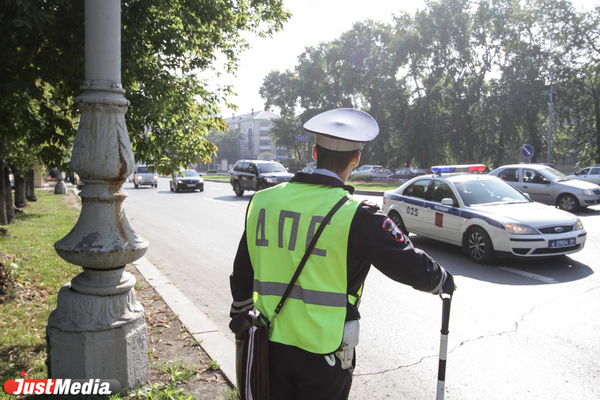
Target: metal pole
[(98, 329), (441, 387)]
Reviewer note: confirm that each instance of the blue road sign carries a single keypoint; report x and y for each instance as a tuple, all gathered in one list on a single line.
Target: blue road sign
[(302, 138), (527, 151)]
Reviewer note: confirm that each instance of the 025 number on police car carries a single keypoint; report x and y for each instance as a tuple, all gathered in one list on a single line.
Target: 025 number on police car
[(412, 211)]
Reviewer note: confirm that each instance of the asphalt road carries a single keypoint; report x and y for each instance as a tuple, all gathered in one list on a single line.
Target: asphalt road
[(518, 329)]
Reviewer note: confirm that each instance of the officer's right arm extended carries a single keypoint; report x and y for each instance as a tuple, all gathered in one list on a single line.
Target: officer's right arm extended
[(375, 240)]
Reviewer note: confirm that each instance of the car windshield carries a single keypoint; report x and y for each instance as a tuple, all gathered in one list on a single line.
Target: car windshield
[(144, 170), (188, 173), (488, 191), (555, 175), (271, 167)]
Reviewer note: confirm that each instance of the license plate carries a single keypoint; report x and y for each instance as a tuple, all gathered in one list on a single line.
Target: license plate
[(557, 244), (191, 185)]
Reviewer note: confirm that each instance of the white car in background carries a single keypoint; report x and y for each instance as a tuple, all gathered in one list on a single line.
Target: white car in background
[(590, 174), (377, 171), (483, 214), (550, 186)]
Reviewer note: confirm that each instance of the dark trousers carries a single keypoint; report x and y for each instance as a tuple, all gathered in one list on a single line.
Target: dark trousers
[(295, 374)]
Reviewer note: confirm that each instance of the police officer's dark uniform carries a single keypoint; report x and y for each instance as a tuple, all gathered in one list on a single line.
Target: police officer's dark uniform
[(300, 338)]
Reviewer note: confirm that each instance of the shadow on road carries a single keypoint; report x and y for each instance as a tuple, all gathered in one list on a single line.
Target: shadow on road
[(509, 271)]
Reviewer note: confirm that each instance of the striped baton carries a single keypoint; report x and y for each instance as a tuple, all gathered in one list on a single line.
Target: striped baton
[(447, 299)]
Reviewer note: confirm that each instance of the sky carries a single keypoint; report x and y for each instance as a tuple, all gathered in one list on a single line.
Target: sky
[(313, 22)]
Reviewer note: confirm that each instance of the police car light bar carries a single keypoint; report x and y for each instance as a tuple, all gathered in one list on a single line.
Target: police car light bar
[(444, 169)]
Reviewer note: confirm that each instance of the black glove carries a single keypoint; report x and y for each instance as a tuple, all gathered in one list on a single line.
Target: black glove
[(448, 286)]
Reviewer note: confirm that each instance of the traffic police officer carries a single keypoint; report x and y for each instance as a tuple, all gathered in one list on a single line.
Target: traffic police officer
[(311, 342)]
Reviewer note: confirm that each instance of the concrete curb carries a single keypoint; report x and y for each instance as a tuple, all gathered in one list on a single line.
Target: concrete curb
[(215, 343)]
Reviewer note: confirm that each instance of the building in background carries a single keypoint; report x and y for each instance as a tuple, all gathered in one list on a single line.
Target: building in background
[(257, 144)]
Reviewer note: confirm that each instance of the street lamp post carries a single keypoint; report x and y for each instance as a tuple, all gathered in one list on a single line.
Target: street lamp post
[(98, 328)]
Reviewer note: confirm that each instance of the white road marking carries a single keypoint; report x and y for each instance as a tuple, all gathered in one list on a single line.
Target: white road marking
[(537, 277), (221, 201)]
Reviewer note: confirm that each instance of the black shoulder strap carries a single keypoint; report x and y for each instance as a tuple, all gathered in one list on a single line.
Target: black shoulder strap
[(309, 250)]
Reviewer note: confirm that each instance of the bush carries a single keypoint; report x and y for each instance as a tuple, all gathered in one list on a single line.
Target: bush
[(362, 177), (211, 171)]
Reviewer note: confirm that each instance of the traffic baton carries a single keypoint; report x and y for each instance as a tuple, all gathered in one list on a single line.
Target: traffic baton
[(447, 299)]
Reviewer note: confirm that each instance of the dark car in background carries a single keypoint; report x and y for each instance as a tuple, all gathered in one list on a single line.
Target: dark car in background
[(407, 173), (186, 180), (257, 175)]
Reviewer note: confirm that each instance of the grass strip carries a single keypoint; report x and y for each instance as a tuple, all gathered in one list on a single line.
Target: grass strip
[(33, 273)]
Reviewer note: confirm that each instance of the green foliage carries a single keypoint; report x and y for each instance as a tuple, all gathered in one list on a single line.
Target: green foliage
[(361, 177), (35, 273), (158, 391), (458, 82), (165, 46), (228, 143)]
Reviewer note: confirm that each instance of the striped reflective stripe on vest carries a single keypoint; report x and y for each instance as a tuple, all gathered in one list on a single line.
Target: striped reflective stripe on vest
[(307, 296)]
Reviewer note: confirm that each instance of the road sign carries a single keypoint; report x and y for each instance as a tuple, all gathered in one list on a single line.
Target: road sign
[(301, 138), (527, 151)]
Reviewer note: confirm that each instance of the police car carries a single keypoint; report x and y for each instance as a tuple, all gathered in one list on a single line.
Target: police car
[(483, 214)]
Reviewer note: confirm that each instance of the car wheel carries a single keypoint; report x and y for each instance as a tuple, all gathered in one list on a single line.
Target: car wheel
[(567, 202), (398, 221), (479, 246), (238, 189)]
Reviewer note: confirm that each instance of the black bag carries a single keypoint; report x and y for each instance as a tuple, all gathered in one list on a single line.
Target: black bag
[(252, 334), (251, 355)]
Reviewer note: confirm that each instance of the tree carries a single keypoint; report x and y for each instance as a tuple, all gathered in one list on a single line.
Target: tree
[(165, 45), (574, 39), (227, 143), (282, 90), (462, 81)]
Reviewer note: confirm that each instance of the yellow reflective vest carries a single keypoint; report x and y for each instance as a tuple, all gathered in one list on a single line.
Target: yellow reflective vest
[(280, 224)]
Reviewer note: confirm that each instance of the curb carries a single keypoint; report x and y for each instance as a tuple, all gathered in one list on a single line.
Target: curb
[(215, 343)]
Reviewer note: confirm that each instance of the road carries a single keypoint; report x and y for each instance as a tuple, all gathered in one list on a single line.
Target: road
[(519, 329)]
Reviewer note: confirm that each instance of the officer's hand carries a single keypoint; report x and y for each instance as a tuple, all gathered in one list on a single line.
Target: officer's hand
[(449, 286)]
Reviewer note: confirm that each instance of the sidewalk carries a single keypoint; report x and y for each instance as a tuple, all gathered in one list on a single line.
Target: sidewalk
[(215, 343)]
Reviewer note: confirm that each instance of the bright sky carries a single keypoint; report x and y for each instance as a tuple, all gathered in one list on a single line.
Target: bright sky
[(313, 22)]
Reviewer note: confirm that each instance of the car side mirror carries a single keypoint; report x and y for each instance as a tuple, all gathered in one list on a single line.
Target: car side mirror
[(448, 202)]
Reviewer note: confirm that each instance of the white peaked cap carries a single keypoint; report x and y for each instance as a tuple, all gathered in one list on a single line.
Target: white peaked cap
[(343, 129)]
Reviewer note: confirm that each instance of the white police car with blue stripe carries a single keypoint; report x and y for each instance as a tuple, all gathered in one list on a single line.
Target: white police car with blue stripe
[(483, 214)]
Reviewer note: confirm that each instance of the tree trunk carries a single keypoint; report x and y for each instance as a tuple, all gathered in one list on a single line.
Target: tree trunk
[(20, 201), (10, 208), (30, 186), (3, 218)]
